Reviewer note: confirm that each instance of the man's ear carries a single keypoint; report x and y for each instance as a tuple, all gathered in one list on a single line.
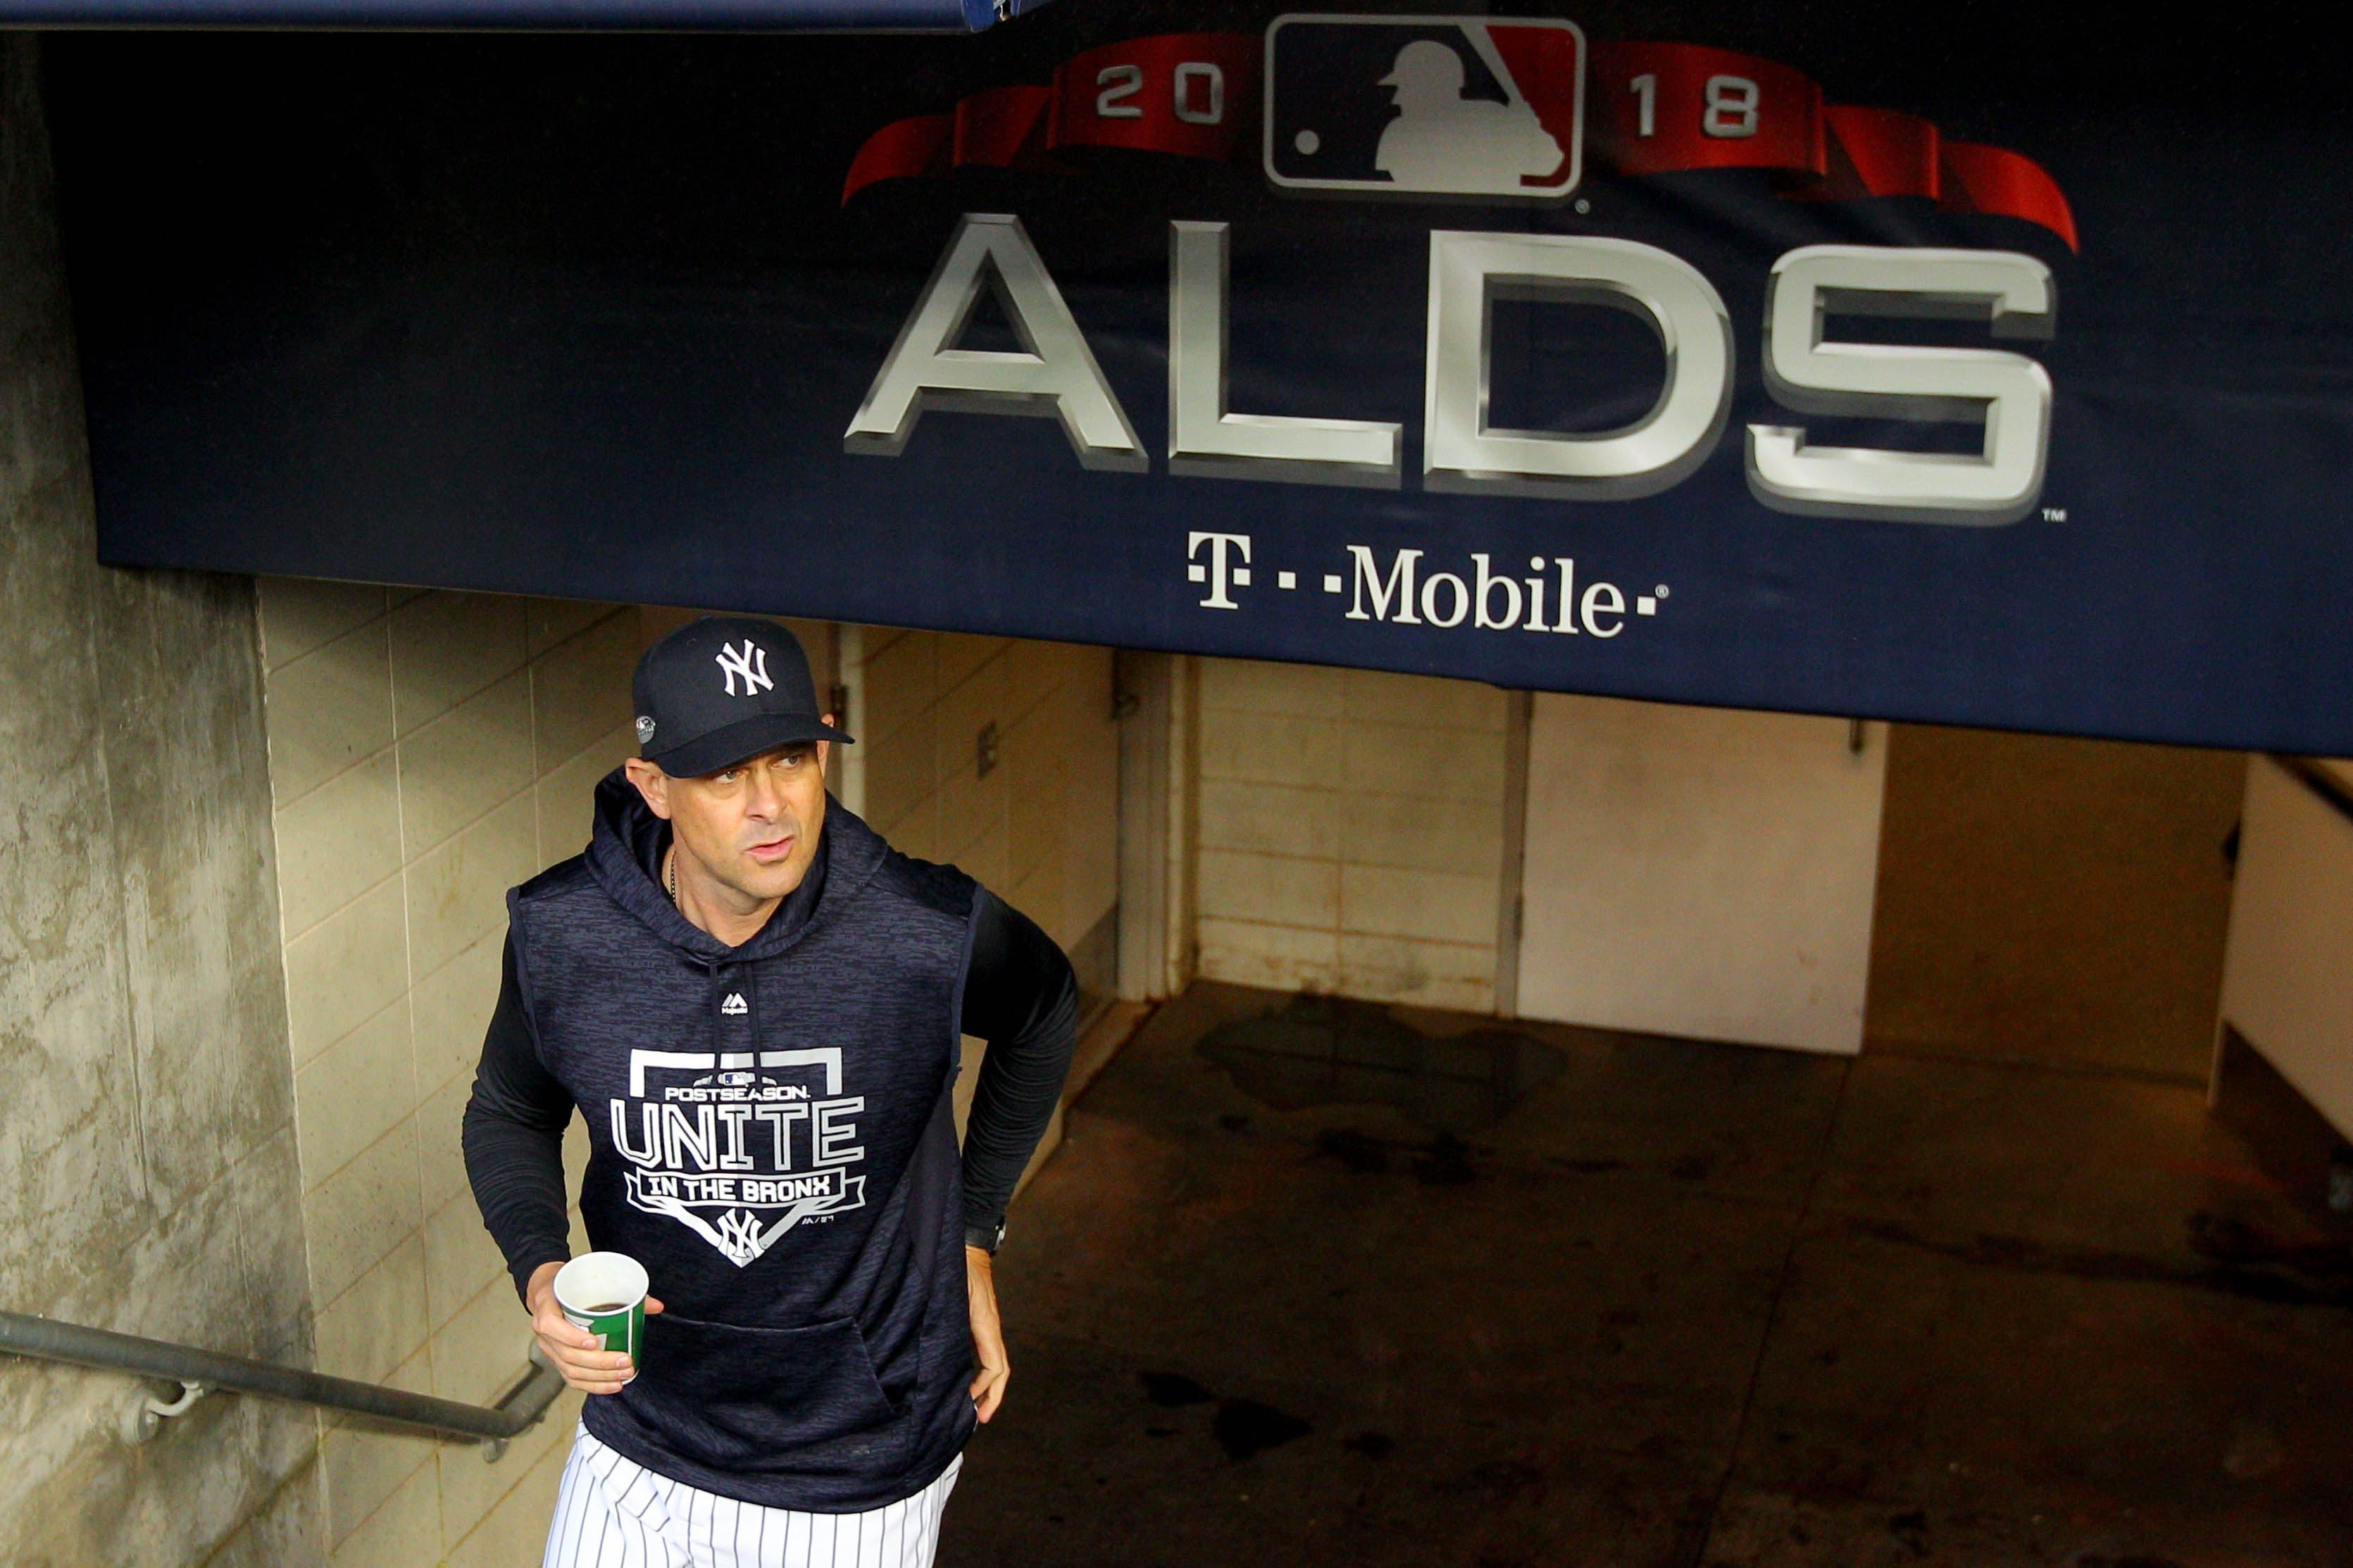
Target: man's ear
[(652, 784), (825, 749)]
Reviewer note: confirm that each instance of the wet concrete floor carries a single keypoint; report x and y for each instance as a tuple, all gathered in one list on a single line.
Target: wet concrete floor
[(1320, 1282)]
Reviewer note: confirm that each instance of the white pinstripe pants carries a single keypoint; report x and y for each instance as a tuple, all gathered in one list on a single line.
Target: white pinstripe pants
[(612, 1513)]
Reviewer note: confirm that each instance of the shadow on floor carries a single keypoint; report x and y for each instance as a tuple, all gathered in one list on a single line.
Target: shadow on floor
[(1319, 1282)]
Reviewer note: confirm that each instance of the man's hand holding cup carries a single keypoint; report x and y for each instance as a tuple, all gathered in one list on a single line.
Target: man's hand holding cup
[(588, 1316)]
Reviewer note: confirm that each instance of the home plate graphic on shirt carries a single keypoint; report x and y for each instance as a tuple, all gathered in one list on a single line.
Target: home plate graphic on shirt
[(740, 1146)]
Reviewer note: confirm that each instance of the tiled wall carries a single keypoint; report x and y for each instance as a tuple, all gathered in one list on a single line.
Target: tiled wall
[(428, 751), (1041, 827), (1351, 832)]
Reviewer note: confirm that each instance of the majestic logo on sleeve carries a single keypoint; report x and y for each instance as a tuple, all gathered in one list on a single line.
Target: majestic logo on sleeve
[(739, 1147), (1424, 106)]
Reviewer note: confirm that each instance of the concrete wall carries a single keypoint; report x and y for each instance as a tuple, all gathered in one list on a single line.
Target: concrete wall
[(148, 1165), (427, 751), (2287, 983), (1352, 832)]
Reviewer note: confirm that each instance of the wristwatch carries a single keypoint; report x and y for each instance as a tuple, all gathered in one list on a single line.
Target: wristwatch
[(987, 1238)]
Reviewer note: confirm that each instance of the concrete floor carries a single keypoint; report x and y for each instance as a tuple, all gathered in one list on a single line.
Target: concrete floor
[(1320, 1282)]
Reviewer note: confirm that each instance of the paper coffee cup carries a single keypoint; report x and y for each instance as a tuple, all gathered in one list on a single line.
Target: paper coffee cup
[(605, 1293)]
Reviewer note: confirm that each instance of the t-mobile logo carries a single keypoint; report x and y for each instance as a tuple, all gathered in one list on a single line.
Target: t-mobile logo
[(1222, 571)]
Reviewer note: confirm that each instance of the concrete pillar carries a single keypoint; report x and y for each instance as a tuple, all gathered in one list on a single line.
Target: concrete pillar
[(148, 1176)]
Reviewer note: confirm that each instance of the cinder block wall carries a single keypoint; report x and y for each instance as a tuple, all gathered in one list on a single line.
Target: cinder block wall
[(1041, 826), (1351, 832), (148, 1172), (428, 751)]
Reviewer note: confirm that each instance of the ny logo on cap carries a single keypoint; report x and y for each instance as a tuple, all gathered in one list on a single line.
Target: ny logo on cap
[(751, 663)]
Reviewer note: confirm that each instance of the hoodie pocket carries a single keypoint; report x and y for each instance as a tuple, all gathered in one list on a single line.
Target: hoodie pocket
[(738, 1398)]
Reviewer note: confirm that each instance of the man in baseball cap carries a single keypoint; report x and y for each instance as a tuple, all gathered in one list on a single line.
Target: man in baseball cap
[(756, 1005), (724, 689)]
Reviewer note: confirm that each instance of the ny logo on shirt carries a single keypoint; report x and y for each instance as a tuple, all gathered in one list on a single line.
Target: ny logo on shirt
[(740, 1146)]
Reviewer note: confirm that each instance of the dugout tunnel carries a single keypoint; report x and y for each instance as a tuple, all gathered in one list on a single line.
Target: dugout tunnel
[(1818, 1035)]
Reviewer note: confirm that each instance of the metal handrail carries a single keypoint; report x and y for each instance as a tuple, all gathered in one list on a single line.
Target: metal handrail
[(195, 1370)]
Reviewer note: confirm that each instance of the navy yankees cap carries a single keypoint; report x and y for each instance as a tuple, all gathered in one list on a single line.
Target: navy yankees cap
[(721, 690)]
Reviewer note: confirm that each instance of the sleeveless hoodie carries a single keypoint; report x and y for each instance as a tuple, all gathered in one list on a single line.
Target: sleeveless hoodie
[(772, 1135)]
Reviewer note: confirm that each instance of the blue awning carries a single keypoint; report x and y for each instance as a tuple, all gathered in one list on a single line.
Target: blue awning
[(894, 15)]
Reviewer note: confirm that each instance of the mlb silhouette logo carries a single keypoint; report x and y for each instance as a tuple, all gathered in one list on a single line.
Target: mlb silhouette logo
[(1466, 107)]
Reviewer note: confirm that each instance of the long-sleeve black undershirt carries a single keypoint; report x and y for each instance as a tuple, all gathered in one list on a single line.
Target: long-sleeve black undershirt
[(1019, 995)]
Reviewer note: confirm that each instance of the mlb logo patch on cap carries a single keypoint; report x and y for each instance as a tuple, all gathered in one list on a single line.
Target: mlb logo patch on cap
[(1464, 107)]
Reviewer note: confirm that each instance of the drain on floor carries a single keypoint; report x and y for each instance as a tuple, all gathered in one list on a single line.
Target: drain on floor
[(1328, 1050)]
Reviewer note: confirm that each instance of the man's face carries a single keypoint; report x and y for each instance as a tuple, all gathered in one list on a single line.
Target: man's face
[(751, 827)]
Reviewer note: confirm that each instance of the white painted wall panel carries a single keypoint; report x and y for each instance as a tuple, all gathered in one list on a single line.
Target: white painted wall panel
[(1699, 872), (2287, 979)]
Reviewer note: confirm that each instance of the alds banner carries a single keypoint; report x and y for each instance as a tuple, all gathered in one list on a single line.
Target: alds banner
[(1722, 110), (1989, 368)]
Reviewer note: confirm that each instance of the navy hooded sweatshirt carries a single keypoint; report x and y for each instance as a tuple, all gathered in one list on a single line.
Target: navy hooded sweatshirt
[(772, 1134)]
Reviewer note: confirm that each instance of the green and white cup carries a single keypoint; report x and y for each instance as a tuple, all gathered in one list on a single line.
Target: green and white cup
[(605, 1293)]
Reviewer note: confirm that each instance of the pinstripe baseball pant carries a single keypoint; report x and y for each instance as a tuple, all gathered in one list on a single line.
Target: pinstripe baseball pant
[(614, 1513)]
